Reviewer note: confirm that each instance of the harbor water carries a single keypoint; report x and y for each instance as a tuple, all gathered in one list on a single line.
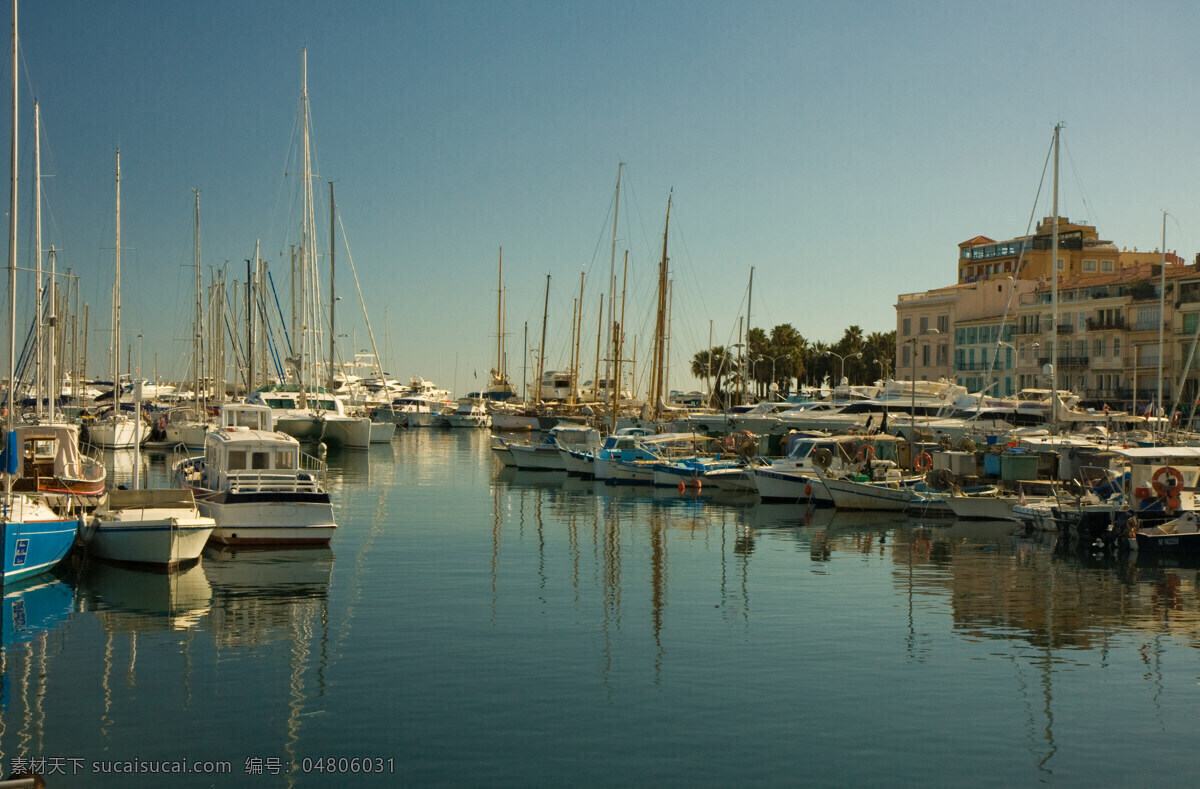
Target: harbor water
[(472, 626)]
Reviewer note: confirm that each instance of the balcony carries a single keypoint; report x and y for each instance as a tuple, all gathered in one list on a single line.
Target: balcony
[(1096, 324), (1065, 361), (1066, 328)]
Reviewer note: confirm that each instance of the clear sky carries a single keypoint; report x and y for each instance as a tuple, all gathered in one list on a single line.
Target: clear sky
[(841, 149)]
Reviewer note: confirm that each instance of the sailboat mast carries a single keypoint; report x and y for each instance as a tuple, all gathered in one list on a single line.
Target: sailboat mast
[(1162, 315), (52, 321), (618, 332), (39, 371), (542, 352), (332, 300), (12, 253), (500, 315), (197, 327), (307, 274), (1053, 294), (612, 274), (660, 328), (116, 316)]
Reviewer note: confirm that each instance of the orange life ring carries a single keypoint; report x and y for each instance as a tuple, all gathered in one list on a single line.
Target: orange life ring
[(1163, 489), (924, 462), (867, 453)]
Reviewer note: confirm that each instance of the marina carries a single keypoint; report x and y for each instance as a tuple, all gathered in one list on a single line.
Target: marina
[(472, 624)]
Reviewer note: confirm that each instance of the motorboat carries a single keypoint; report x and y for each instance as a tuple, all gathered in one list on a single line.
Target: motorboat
[(313, 415), (162, 527), (257, 484), (471, 413)]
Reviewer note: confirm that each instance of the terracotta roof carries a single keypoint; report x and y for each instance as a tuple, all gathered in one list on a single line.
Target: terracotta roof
[(977, 240), (1126, 275)]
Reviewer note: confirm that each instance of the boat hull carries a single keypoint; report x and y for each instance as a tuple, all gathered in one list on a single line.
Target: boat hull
[(268, 518), (161, 542), (35, 540)]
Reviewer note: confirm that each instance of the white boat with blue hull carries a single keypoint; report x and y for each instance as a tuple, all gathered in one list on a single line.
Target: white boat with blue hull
[(35, 537), (257, 484)]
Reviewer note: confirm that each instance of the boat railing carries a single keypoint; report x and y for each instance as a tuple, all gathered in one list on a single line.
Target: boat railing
[(268, 482), (315, 466)]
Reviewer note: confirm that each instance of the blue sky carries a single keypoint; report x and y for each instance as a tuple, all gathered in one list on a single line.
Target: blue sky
[(841, 149)]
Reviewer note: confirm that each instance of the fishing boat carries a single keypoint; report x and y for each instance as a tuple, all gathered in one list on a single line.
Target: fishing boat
[(158, 527), (257, 484)]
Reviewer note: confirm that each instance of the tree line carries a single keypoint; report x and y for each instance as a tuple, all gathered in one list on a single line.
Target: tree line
[(790, 362)]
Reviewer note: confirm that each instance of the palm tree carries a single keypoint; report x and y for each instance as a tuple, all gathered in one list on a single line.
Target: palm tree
[(714, 365)]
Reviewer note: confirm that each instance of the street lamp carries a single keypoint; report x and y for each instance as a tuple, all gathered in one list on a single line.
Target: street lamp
[(773, 360), (912, 418), (842, 359)]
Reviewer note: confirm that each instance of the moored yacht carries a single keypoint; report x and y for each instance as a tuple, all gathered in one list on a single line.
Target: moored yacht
[(257, 484)]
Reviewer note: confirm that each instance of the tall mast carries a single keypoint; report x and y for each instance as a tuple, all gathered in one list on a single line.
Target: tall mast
[(116, 316), (306, 253), (1162, 316), (612, 274), (1053, 294), (500, 316), (39, 371), (619, 344), (332, 300), (542, 352), (660, 328), (197, 326), (52, 321), (12, 253)]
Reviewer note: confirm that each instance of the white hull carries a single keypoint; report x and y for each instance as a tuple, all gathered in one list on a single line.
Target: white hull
[(775, 485), (270, 522), (117, 434), (190, 435), (300, 426), (502, 421), (382, 432), (983, 507), (635, 471), (850, 495), (347, 432), (468, 420), (160, 527), (164, 541), (540, 458), (577, 462)]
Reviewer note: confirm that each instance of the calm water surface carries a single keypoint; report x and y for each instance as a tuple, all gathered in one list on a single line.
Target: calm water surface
[(475, 626)]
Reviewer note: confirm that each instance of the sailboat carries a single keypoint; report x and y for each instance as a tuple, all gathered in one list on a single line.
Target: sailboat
[(52, 462), (303, 410), (36, 537), (117, 430)]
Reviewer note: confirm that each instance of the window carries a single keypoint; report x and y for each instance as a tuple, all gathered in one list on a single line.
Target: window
[(1106, 265), (1189, 322), (1089, 265), (1061, 264), (285, 460), (943, 323), (1098, 347), (925, 355), (907, 326), (237, 460), (943, 354), (260, 461), (924, 324), (1116, 347), (906, 355), (1082, 320)]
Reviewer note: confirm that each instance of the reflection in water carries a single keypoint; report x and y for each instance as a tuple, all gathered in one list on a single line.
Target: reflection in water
[(33, 609)]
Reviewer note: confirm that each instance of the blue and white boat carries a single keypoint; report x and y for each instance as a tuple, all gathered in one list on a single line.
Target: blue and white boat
[(36, 537)]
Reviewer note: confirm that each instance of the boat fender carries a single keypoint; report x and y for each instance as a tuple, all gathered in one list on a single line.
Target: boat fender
[(1161, 487), (867, 453), (808, 489), (924, 462)]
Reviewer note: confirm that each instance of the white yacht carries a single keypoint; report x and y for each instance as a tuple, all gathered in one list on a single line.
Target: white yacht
[(313, 415), (257, 484)]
